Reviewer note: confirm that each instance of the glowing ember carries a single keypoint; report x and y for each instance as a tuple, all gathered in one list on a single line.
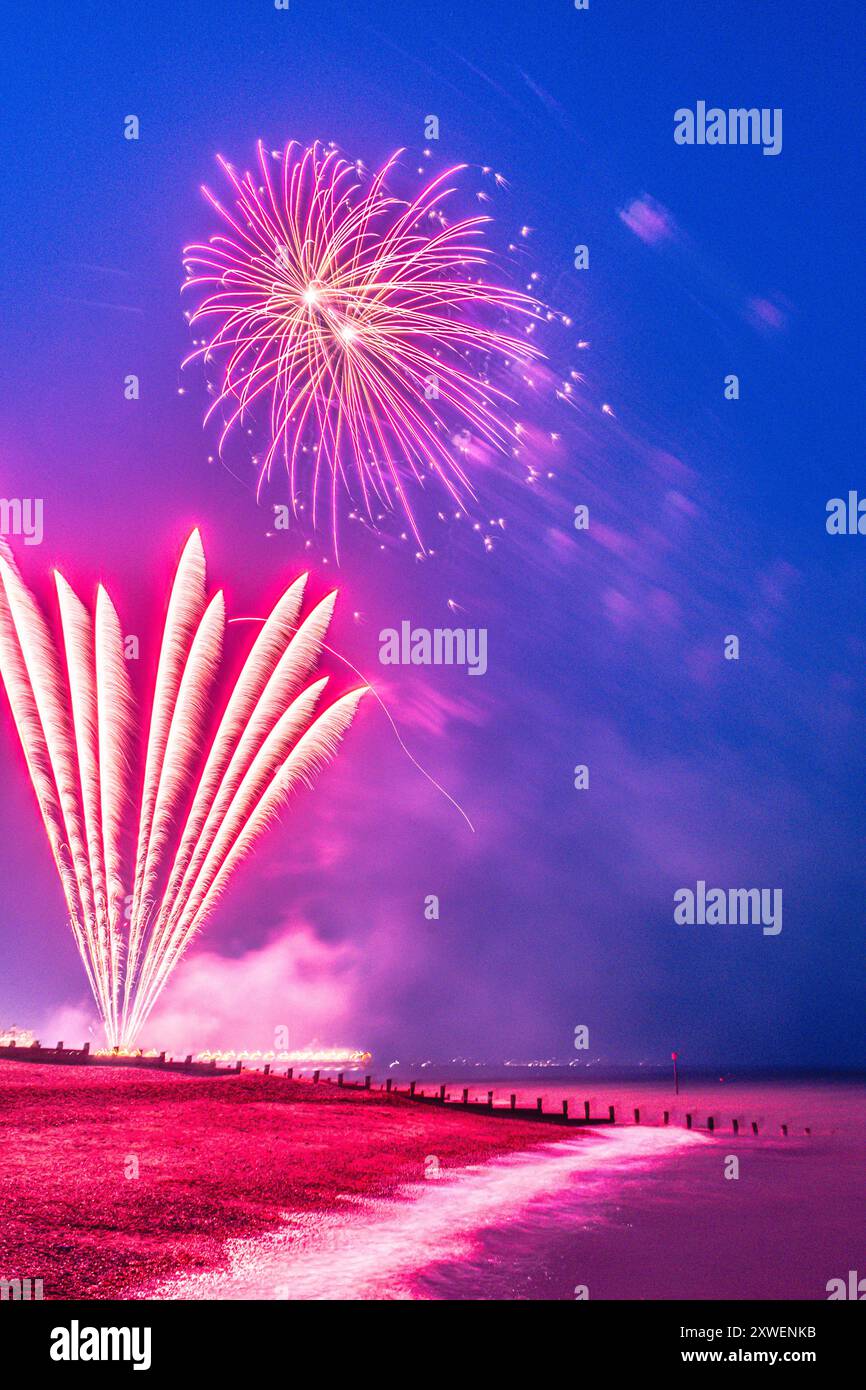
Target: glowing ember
[(324, 1057), (347, 1059), (16, 1037), (73, 708)]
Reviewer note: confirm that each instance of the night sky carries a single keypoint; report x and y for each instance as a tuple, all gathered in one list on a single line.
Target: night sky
[(605, 647)]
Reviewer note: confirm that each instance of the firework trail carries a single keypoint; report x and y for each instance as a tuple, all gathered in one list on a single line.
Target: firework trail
[(362, 323), (73, 708)]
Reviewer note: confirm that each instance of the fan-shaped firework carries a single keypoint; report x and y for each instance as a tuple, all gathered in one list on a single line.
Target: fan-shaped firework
[(134, 915), (362, 323)]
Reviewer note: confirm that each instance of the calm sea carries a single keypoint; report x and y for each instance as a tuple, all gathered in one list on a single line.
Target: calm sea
[(635, 1211)]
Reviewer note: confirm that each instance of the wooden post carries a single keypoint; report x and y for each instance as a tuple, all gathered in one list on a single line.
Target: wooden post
[(238, 1065), (489, 1100), (316, 1077), (513, 1102), (412, 1088), (565, 1109), (539, 1106), (442, 1094), (86, 1049), (612, 1114), (736, 1126), (586, 1109), (785, 1130), (267, 1068), (368, 1081), (339, 1078), (465, 1095), (290, 1072), (711, 1124), (388, 1084), (667, 1118), (637, 1116), (754, 1127), (188, 1062), (688, 1121)]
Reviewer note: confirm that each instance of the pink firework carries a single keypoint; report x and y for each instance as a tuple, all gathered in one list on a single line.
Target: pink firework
[(202, 803), (362, 323)]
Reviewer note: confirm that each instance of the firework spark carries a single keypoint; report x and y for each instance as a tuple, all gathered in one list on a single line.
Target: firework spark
[(363, 323), (74, 712)]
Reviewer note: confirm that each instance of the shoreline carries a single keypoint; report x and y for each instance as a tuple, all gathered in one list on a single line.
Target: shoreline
[(412, 1248), (114, 1180)]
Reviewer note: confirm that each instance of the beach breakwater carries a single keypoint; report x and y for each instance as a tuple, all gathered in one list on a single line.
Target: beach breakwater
[(441, 1097), (82, 1056)]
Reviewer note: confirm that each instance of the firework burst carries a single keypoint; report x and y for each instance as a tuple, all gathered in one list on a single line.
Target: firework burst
[(364, 325), (134, 915)]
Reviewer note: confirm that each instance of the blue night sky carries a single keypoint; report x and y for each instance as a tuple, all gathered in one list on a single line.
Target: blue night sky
[(605, 646)]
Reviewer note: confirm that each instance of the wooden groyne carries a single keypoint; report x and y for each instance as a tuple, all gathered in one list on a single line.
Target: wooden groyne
[(82, 1056), (563, 1116), (513, 1111), (560, 1116)]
